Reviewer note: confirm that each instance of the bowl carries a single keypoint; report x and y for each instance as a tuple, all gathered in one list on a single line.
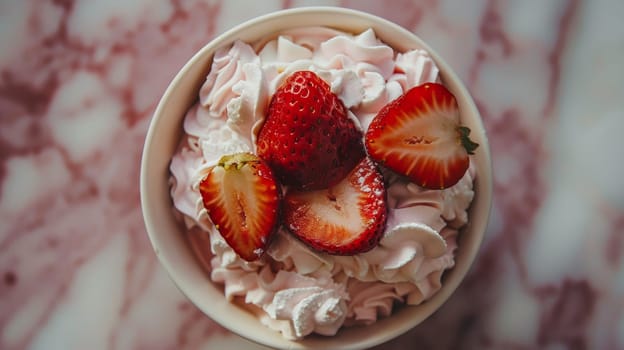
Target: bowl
[(167, 236)]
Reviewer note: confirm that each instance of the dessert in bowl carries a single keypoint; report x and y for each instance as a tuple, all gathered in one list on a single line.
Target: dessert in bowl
[(249, 219)]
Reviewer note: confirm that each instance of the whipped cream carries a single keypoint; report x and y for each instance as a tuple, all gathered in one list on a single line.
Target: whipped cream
[(295, 289)]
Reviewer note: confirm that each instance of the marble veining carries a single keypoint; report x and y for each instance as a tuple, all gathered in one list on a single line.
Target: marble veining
[(79, 81)]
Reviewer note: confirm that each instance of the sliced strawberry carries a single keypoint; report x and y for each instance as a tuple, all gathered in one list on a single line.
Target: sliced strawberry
[(308, 138), (418, 135), (345, 219), (242, 198)]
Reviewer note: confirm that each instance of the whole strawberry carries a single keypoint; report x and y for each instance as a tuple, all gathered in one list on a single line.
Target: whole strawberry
[(307, 138)]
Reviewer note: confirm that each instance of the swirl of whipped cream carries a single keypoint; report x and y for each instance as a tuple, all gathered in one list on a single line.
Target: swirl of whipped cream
[(234, 92), (224, 256), (183, 169), (228, 69), (428, 286), (295, 255), (370, 300), (308, 303), (403, 255), (437, 209), (365, 49), (457, 199), (416, 67)]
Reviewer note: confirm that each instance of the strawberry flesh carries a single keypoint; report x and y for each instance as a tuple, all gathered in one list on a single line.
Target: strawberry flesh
[(419, 135), (308, 138), (345, 219), (243, 199)]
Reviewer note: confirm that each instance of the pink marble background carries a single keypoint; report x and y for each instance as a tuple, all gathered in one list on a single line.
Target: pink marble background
[(79, 81)]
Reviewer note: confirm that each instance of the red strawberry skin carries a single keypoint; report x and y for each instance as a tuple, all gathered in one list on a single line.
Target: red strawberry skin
[(307, 137), (243, 201), (346, 219), (419, 135)]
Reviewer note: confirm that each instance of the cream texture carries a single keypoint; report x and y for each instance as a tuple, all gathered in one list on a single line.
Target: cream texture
[(295, 289)]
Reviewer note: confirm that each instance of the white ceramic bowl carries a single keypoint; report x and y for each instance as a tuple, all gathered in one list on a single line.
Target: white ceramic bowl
[(168, 239)]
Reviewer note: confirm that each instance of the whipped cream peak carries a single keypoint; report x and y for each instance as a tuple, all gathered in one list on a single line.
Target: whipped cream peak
[(308, 304), (364, 47), (431, 244), (416, 68), (371, 300), (294, 254), (308, 307)]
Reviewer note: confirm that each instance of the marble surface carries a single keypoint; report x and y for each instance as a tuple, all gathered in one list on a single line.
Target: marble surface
[(79, 81)]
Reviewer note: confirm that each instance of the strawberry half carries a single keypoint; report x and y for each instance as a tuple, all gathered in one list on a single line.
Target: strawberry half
[(345, 219), (307, 138), (418, 135), (242, 198)]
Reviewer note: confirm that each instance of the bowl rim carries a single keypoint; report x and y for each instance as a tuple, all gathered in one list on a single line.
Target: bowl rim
[(388, 330)]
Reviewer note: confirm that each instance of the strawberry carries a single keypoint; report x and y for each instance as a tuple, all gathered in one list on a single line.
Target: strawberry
[(243, 199), (307, 137), (418, 135), (345, 219)]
